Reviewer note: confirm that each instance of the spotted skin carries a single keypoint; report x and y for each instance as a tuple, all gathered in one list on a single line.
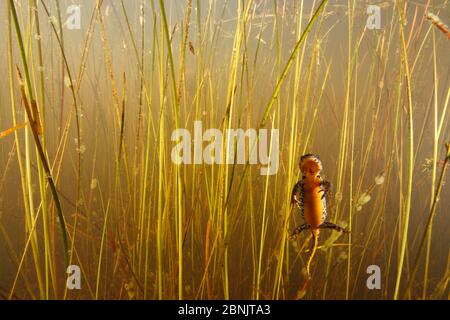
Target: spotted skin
[(298, 198)]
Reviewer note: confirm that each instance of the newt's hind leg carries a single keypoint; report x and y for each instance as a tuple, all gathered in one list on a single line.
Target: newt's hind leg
[(298, 230), (330, 225)]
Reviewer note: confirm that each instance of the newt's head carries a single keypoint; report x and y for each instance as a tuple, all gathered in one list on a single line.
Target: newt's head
[(310, 165)]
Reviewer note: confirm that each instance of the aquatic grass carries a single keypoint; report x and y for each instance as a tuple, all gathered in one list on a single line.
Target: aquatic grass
[(426, 238), (344, 134), (23, 167), (406, 214), (25, 97)]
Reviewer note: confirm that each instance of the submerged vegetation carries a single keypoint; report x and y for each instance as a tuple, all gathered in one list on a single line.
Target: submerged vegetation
[(87, 177)]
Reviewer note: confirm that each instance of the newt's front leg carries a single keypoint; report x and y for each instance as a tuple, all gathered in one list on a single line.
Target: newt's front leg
[(325, 187), (296, 195)]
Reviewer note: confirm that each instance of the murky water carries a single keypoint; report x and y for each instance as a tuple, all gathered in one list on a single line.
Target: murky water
[(143, 226)]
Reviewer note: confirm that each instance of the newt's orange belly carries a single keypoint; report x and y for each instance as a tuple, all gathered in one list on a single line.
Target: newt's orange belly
[(313, 209)]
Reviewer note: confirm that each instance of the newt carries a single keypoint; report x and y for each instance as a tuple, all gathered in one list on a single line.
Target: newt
[(309, 195)]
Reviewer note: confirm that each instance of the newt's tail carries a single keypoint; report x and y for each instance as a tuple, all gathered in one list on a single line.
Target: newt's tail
[(313, 253), (302, 291)]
